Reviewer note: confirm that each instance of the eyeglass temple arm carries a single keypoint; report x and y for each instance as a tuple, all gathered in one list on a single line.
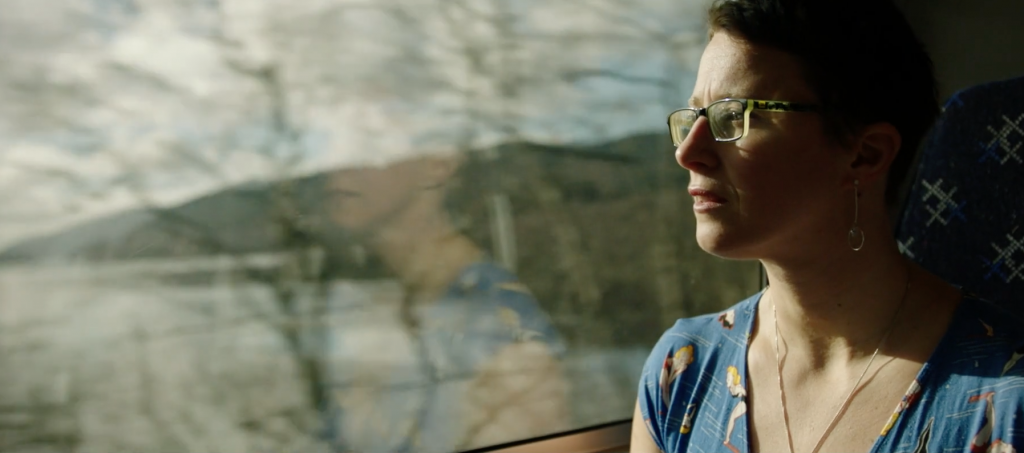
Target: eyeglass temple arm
[(780, 106)]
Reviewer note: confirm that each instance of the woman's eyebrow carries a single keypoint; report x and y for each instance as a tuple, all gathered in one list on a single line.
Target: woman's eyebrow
[(696, 103)]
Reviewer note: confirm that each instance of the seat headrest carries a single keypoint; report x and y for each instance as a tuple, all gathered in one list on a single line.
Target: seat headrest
[(964, 219)]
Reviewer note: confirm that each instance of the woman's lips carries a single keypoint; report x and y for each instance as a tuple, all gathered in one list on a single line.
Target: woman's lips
[(705, 200)]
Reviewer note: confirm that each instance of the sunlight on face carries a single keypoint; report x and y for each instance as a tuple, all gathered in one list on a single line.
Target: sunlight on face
[(774, 188)]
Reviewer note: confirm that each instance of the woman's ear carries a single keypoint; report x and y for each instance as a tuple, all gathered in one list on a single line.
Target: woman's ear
[(877, 148)]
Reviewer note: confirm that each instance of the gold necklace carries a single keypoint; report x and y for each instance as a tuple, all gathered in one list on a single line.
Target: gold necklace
[(849, 397)]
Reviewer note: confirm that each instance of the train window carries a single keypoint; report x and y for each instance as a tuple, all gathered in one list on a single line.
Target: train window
[(356, 225), (333, 225)]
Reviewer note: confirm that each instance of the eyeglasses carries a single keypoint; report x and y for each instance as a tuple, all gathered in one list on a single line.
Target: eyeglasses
[(729, 118)]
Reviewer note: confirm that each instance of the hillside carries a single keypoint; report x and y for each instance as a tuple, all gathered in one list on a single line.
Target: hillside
[(240, 219), (599, 230)]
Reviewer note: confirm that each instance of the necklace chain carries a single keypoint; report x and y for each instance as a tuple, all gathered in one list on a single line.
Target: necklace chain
[(849, 397)]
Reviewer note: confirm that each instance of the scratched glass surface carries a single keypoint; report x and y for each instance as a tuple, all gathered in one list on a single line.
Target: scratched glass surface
[(331, 225)]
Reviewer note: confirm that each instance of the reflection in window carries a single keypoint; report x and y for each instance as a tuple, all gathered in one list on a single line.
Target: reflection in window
[(235, 225)]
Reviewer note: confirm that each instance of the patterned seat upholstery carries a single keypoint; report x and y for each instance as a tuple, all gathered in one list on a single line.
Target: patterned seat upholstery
[(964, 218)]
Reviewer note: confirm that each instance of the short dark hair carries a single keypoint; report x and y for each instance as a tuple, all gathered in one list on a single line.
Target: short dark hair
[(860, 56)]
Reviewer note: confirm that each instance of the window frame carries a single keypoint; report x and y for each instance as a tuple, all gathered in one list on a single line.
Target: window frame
[(604, 438)]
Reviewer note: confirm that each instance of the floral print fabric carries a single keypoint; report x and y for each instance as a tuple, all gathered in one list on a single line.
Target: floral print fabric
[(969, 397)]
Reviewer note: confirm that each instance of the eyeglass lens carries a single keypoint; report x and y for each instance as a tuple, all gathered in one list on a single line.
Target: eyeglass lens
[(726, 118)]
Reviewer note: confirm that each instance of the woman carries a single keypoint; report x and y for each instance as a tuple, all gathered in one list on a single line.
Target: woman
[(467, 359), (803, 122)]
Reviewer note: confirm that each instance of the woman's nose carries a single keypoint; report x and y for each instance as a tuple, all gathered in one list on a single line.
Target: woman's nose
[(697, 151)]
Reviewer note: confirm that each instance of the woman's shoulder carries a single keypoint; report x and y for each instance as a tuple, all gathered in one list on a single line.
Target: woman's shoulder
[(975, 305), (985, 339), (712, 334), (973, 383), (730, 320), (970, 393), (988, 324), (687, 361)]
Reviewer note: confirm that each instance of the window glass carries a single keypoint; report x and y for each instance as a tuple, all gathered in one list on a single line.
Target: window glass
[(334, 225)]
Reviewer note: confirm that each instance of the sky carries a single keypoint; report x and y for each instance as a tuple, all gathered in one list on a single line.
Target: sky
[(114, 104)]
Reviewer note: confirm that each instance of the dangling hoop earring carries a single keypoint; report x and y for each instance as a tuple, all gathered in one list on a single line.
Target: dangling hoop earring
[(855, 238)]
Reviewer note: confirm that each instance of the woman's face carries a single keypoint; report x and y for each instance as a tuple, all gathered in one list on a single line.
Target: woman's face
[(366, 199), (777, 187)]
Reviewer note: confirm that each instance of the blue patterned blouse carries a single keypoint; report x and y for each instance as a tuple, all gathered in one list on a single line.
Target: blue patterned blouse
[(968, 397), (413, 403)]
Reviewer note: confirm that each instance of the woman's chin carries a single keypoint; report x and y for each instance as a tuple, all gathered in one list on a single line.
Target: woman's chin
[(717, 241)]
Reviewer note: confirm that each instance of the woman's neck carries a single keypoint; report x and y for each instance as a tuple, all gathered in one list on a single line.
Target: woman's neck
[(426, 259), (836, 309)]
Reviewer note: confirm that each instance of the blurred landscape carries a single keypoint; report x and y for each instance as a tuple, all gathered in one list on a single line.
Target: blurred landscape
[(606, 194), (109, 316), (167, 266)]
